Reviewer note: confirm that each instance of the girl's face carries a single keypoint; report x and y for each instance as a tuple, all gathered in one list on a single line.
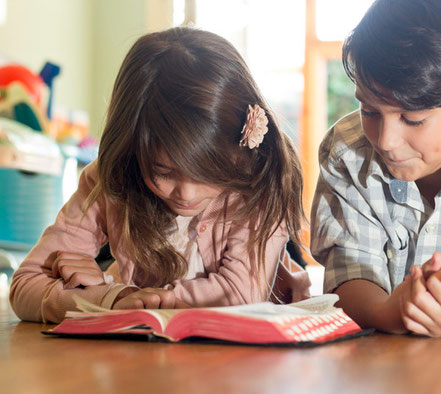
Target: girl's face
[(409, 142), (183, 195)]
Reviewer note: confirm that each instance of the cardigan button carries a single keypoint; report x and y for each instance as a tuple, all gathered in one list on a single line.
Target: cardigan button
[(202, 228)]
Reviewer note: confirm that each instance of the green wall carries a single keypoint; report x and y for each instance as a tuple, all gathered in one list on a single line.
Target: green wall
[(88, 38)]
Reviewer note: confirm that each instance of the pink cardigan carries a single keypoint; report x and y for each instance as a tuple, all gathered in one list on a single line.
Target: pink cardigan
[(36, 296)]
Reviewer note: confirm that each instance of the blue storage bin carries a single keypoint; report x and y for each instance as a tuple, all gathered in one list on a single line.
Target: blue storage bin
[(29, 202), (31, 184)]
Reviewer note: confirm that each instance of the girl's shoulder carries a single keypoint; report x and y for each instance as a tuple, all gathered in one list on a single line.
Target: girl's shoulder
[(88, 183), (90, 172)]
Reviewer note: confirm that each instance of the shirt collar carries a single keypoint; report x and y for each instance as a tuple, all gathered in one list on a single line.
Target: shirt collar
[(397, 187), (398, 190)]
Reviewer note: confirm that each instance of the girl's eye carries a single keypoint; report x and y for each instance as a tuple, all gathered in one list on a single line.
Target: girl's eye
[(368, 113), (412, 122), (163, 175)]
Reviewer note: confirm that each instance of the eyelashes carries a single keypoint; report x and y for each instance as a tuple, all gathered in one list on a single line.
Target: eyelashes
[(412, 122), (368, 114), (373, 114), (159, 175)]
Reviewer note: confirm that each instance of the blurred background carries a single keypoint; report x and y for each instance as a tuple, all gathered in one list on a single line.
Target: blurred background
[(65, 55)]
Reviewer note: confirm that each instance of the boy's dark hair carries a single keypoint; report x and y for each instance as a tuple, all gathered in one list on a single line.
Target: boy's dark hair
[(395, 52)]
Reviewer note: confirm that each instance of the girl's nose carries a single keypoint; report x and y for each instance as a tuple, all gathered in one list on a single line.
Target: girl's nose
[(186, 191)]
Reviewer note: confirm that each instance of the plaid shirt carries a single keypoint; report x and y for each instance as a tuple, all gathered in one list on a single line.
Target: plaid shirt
[(365, 224)]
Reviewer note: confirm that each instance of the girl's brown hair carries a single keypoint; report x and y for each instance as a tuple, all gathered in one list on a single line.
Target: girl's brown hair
[(187, 91)]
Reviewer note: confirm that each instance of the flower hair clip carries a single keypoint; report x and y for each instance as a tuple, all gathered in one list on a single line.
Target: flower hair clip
[(255, 127)]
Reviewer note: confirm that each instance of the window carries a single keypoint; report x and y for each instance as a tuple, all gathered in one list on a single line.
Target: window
[(293, 48)]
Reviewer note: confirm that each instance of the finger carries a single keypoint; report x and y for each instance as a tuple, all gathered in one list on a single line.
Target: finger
[(73, 256), (409, 323), (78, 263), (55, 267), (422, 306), (129, 303), (415, 327), (411, 313), (433, 284), (151, 300), (55, 271), (59, 266), (181, 304), (168, 299), (68, 256), (159, 298), (432, 265), (83, 279), (68, 273)]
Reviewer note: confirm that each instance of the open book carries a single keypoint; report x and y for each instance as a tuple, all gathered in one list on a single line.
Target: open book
[(314, 320)]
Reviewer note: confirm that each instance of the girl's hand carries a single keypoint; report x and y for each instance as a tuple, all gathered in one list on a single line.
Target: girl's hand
[(148, 298), (77, 270), (421, 305)]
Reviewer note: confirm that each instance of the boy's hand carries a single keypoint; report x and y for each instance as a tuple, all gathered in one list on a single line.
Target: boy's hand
[(77, 270), (421, 305), (432, 265), (148, 298)]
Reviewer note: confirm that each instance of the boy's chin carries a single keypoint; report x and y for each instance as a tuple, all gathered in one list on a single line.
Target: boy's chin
[(407, 176)]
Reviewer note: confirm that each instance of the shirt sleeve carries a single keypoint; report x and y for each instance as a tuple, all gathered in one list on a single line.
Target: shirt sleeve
[(35, 295), (346, 235), (235, 282)]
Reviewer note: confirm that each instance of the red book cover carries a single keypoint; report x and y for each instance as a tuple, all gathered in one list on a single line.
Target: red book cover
[(315, 320)]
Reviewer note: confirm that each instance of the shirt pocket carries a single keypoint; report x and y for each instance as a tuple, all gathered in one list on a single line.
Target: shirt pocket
[(397, 254)]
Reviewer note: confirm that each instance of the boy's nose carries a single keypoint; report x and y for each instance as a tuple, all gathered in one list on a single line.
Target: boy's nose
[(389, 135)]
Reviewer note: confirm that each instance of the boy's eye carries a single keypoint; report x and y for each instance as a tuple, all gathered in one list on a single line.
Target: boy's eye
[(412, 122), (368, 113)]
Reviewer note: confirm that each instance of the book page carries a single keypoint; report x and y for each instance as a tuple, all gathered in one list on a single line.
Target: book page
[(268, 311), (86, 307), (264, 310), (323, 303)]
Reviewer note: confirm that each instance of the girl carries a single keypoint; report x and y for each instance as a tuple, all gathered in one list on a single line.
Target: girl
[(195, 188)]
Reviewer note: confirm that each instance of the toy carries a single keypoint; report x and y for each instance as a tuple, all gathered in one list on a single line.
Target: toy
[(17, 104), (48, 73), (33, 83)]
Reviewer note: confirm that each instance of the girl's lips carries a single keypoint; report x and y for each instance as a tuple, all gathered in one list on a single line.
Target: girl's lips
[(180, 206)]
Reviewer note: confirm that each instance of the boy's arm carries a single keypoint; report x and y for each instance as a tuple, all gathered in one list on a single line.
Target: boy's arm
[(415, 305), (370, 306)]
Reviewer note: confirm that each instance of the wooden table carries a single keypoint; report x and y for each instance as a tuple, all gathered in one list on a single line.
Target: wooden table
[(379, 363)]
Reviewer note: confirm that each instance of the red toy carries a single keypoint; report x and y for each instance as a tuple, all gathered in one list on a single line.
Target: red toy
[(33, 82)]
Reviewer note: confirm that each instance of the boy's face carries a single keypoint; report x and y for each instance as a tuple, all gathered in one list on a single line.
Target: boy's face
[(409, 142)]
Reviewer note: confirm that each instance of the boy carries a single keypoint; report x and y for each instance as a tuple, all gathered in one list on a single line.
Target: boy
[(377, 208)]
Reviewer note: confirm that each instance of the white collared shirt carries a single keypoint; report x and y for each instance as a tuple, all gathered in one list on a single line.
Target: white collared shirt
[(365, 224), (183, 238)]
